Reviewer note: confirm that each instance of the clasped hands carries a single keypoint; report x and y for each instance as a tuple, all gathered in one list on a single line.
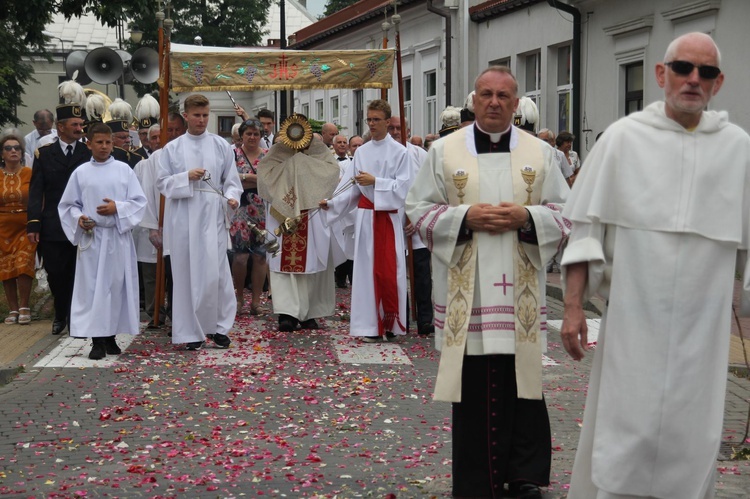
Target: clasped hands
[(496, 219)]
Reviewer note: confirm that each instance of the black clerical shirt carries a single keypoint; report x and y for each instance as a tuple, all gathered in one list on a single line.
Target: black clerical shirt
[(484, 145)]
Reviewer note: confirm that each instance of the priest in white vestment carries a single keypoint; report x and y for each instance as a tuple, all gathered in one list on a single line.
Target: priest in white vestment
[(488, 205), (381, 173), (292, 178), (198, 176), (101, 205), (658, 215)]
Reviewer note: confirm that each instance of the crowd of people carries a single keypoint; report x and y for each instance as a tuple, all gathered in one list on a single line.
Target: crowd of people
[(474, 214)]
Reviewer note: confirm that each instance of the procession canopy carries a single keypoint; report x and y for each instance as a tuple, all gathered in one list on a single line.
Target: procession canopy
[(210, 69)]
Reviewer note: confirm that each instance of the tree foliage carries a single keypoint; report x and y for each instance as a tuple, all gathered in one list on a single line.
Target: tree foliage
[(218, 22), (333, 6)]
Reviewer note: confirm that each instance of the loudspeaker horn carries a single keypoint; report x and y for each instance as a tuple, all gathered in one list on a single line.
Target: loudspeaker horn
[(103, 65), (144, 65), (126, 74), (75, 62)]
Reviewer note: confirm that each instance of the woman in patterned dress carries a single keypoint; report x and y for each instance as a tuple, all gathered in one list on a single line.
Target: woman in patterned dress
[(16, 251), (251, 210)]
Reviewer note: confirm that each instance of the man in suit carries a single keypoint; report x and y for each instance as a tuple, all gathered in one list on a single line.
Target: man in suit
[(53, 165)]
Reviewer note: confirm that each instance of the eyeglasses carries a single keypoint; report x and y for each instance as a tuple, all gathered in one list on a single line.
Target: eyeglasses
[(12, 148), (685, 68), (374, 120), (255, 123)]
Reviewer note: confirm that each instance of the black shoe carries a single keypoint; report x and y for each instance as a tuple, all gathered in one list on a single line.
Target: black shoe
[(99, 350), (221, 340), (195, 345), (287, 323), (425, 330), (111, 346), (341, 284), (524, 490), (58, 327), (389, 336), (309, 324)]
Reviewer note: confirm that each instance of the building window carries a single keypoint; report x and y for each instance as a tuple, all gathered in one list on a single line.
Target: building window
[(319, 110), (533, 72), (306, 110), (430, 97), (563, 88), (505, 61), (359, 112), (225, 126), (335, 109), (633, 87), (407, 99)]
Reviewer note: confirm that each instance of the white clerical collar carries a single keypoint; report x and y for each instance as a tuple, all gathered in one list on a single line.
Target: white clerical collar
[(102, 163), (494, 137)]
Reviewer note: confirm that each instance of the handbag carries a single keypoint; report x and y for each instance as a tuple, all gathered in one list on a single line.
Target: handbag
[(42, 284)]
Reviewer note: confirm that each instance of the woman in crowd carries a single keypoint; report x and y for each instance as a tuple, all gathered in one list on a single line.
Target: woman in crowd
[(251, 210), (16, 251), (564, 142)]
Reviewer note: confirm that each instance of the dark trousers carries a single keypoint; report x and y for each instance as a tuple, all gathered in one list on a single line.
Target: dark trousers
[(497, 437), (341, 272), (60, 264), (423, 286)]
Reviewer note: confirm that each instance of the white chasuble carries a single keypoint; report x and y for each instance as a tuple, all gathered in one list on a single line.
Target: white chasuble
[(505, 312)]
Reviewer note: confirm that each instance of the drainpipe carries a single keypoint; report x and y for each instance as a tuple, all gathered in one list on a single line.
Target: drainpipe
[(576, 69), (445, 14)]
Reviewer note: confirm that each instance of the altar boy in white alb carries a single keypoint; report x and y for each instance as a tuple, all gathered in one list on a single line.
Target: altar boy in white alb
[(382, 175), (198, 175), (101, 205)]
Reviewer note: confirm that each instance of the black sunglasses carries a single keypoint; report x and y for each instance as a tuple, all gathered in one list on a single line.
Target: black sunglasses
[(12, 148), (254, 123), (684, 68)]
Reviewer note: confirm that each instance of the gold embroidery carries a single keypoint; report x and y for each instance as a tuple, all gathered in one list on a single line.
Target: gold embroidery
[(291, 197)]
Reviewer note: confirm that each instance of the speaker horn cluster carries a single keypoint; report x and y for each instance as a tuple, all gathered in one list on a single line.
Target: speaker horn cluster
[(104, 65)]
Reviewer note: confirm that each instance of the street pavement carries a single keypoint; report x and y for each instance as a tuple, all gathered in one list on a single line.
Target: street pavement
[(304, 414)]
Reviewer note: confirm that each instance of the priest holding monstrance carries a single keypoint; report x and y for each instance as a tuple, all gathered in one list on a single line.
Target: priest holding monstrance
[(297, 172)]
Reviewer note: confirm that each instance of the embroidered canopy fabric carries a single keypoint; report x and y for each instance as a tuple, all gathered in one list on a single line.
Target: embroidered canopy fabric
[(236, 69)]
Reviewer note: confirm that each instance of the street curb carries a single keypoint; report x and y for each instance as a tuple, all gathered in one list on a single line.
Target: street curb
[(595, 305), (8, 374)]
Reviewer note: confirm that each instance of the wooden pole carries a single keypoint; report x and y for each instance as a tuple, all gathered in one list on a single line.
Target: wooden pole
[(385, 27), (159, 290), (410, 258)]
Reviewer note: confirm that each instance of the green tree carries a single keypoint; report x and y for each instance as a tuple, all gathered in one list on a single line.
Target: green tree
[(218, 22), (333, 6)]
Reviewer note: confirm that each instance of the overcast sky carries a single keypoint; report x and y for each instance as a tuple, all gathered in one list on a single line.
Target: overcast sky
[(316, 7)]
